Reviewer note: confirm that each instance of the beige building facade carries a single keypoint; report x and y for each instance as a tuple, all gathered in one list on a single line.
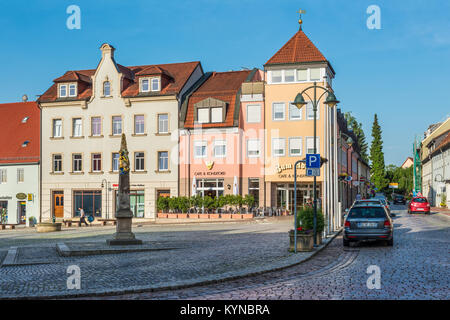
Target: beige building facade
[(84, 114)]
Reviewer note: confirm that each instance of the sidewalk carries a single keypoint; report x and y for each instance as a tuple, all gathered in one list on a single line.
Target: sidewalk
[(441, 211)]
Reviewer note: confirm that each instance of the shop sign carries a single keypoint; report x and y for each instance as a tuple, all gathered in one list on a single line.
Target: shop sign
[(21, 196), (5, 198), (289, 166), (30, 197), (209, 173)]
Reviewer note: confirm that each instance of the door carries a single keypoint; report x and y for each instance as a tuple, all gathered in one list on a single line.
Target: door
[(22, 212), (58, 204)]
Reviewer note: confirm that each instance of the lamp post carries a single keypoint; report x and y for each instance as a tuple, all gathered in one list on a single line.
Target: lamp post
[(106, 185), (349, 141), (299, 102)]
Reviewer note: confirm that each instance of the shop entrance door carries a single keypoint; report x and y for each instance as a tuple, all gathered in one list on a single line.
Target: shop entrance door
[(58, 204), (22, 212)]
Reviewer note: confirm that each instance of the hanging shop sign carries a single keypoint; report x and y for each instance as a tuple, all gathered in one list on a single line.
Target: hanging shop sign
[(21, 196)]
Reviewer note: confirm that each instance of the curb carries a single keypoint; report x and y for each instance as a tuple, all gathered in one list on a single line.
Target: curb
[(191, 283)]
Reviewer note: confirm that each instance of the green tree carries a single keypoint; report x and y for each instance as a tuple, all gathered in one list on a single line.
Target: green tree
[(377, 157), (359, 132)]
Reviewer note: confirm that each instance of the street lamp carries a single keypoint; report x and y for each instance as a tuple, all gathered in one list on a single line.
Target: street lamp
[(349, 141), (300, 102), (107, 186)]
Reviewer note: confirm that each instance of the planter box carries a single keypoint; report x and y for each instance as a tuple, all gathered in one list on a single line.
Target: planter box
[(236, 216), (284, 213), (225, 215), (162, 215), (247, 216), (214, 216), (203, 216), (193, 215), (305, 242), (182, 216), (48, 227), (172, 215)]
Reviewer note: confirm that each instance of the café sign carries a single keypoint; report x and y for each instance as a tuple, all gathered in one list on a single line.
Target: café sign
[(289, 166)]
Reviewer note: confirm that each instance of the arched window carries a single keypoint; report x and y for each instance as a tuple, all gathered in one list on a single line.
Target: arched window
[(106, 89)]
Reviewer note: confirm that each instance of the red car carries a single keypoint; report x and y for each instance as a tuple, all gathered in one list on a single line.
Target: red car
[(419, 204)]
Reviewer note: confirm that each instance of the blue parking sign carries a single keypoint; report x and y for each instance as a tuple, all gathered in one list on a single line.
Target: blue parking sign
[(313, 161)]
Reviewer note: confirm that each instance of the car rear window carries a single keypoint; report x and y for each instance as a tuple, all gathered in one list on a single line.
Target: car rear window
[(420, 200), (371, 212), (370, 203)]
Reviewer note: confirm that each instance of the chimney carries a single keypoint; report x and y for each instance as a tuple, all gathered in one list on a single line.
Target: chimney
[(107, 51)]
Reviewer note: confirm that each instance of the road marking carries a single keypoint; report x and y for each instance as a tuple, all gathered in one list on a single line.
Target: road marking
[(10, 257)]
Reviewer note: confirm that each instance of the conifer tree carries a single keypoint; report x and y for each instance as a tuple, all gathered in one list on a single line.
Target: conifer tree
[(378, 174), (359, 132)]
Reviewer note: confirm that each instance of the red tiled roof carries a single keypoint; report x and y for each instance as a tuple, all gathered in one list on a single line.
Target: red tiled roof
[(13, 133), (222, 86), (178, 72), (298, 49), (444, 142)]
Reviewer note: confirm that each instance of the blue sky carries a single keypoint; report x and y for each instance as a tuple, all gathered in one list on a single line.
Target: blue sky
[(400, 72)]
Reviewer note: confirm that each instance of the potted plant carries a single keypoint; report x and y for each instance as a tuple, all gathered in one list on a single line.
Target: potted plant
[(306, 215), (249, 201), (203, 205), (173, 206), (443, 200), (193, 201), (32, 221), (162, 204), (222, 203), (183, 206)]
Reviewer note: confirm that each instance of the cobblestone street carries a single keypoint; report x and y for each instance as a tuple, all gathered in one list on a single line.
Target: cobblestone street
[(417, 267)]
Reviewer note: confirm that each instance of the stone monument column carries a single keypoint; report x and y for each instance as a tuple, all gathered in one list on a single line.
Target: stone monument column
[(124, 215)]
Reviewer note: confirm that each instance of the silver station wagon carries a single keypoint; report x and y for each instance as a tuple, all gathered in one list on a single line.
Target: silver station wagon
[(368, 222)]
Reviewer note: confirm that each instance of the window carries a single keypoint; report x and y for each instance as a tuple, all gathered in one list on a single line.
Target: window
[(289, 75), (139, 124), (89, 200), (310, 111), (254, 113), (57, 128), (77, 127), (72, 90), (276, 76), (314, 74), (278, 111), (115, 162), (96, 162), (163, 123), (295, 146), (63, 90), (200, 148), (20, 175), (155, 84), (302, 75), (216, 115), (163, 161), (294, 112), (117, 125), (203, 115), (253, 190), (145, 85), (96, 126), (220, 148), (3, 176), (310, 145), (253, 148), (57, 163), (106, 89), (139, 161), (77, 162), (278, 147)]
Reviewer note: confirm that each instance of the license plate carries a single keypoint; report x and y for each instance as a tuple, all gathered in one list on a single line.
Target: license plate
[(367, 225), (420, 209)]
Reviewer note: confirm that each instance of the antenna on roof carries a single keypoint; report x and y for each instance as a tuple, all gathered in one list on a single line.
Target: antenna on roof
[(24, 98)]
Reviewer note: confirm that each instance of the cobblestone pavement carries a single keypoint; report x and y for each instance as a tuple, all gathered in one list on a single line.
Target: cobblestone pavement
[(203, 253), (416, 267)]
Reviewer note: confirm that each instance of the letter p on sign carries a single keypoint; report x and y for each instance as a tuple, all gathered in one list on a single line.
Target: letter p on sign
[(313, 161)]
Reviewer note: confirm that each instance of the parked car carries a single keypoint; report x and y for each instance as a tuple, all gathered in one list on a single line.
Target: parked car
[(367, 202), (419, 204), (368, 222), (399, 199)]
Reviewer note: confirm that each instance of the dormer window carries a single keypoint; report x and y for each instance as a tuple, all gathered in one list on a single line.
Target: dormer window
[(155, 84), (210, 110), (106, 89), (63, 90), (216, 115), (145, 85), (72, 90)]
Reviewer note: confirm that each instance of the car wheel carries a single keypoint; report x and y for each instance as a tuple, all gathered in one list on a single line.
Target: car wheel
[(390, 243), (346, 243)]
